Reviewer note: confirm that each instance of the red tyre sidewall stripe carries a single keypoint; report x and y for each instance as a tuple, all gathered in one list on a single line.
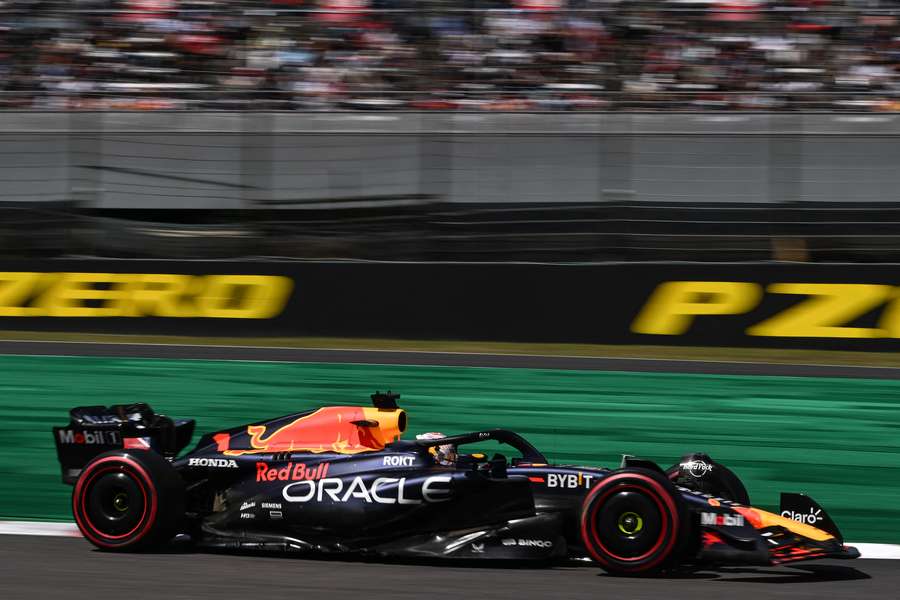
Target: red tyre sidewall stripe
[(84, 524), (662, 494)]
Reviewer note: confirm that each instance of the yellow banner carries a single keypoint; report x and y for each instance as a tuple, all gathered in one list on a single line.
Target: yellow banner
[(823, 310), (32, 294)]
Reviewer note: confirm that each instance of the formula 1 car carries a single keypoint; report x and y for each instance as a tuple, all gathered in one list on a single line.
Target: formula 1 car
[(338, 479)]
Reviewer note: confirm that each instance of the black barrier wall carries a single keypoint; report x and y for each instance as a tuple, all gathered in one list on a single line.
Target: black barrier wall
[(770, 305)]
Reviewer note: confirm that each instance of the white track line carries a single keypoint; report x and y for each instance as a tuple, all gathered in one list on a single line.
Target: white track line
[(886, 551), (882, 551), (39, 528)]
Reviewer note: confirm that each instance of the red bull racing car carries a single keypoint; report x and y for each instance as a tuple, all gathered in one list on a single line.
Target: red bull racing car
[(339, 479)]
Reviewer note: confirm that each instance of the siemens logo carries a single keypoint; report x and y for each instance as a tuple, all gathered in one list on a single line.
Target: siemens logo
[(27, 294)]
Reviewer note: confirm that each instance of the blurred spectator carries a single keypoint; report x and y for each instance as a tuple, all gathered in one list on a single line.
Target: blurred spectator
[(446, 55)]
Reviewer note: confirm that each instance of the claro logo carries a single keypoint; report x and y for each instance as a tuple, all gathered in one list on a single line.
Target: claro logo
[(25, 294), (824, 312)]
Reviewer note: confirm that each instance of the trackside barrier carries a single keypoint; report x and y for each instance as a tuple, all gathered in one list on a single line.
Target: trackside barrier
[(838, 306)]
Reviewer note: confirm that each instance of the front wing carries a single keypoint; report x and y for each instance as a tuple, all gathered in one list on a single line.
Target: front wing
[(737, 534)]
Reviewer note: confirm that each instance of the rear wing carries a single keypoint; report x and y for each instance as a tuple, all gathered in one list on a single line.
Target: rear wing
[(93, 430)]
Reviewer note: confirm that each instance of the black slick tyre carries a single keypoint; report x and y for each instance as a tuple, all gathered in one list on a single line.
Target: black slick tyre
[(633, 522), (128, 500)]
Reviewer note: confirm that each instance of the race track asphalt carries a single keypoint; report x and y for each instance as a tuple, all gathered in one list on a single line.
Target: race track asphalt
[(454, 359), (70, 569)]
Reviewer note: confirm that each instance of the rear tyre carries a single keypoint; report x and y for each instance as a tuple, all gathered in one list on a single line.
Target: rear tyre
[(633, 522), (128, 500)]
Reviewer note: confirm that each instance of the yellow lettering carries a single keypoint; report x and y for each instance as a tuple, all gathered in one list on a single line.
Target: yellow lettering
[(162, 295), (27, 294), (76, 295), (674, 304), (15, 290), (890, 317), (822, 315), (244, 296)]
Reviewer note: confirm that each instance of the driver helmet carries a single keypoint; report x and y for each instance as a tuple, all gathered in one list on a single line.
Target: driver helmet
[(444, 454)]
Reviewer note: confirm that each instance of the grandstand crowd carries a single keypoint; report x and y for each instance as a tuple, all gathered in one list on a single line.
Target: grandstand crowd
[(508, 55)]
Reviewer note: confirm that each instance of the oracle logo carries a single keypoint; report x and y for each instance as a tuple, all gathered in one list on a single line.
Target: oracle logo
[(383, 490)]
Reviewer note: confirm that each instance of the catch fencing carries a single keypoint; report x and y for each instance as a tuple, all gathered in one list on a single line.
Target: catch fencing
[(451, 186), (222, 160)]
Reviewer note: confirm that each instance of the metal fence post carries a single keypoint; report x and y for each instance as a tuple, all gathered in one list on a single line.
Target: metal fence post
[(256, 156), (85, 150)]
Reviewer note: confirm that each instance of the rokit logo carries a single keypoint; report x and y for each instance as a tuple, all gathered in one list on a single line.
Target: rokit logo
[(383, 490), (216, 463), (527, 543), (810, 518), (94, 438), (399, 461)]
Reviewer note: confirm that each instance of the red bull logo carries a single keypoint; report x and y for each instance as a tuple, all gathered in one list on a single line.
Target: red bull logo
[(342, 429), (291, 472)]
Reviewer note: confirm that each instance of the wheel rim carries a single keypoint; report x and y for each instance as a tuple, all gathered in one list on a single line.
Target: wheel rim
[(114, 503), (628, 523), (120, 502)]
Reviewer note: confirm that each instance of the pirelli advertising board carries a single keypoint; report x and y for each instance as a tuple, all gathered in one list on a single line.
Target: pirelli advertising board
[(769, 305), (168, 295), (140, 297)]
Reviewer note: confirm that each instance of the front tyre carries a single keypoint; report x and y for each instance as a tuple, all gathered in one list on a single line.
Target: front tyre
[(128, 500), (632, 522)]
